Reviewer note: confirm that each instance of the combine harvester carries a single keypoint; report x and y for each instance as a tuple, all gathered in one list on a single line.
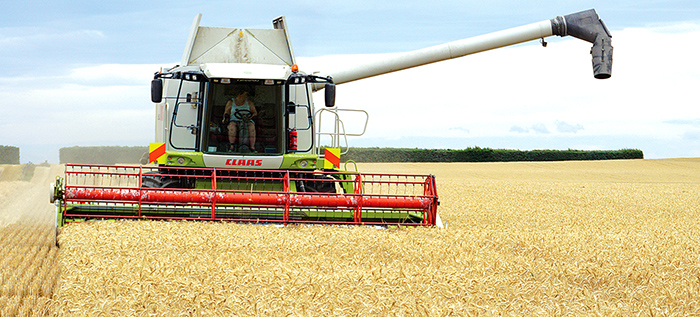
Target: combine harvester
[(238, 137)]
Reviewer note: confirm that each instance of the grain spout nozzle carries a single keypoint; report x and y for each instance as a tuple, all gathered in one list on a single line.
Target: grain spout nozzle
[(586, 25)]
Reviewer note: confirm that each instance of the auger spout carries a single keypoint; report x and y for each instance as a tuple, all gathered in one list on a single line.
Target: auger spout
[(587, 26)]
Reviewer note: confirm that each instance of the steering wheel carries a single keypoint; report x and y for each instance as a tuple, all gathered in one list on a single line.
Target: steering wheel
[(243, 114)]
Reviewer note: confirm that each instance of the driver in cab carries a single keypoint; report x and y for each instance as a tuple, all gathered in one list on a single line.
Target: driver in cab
[(240, 110)]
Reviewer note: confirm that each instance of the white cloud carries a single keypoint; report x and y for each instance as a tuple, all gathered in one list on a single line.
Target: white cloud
[(518, 129), (115, 74), (107, 104), (33, 36), (564, 127), (675, 27), (540, 128), (459, 130), (693, 135), (692, 122)]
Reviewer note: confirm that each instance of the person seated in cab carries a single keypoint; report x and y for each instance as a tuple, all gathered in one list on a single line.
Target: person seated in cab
[(240, 110)]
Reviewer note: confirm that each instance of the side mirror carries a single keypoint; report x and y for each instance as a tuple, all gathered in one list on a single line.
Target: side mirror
[(157, 90), (330, 95)]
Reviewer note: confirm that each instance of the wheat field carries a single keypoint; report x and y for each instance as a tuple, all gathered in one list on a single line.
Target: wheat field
[(29, 267), (553, 238)]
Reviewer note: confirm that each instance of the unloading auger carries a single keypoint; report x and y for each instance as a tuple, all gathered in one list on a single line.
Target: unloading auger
[(286, 168)]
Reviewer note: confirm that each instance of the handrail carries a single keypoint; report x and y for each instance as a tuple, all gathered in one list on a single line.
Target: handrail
[(338, 128)]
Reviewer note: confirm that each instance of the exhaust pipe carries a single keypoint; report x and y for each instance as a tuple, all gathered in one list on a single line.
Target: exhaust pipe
[(586, 25)]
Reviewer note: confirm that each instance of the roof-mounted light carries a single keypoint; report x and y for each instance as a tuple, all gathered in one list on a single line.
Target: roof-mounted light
[(295, 68)]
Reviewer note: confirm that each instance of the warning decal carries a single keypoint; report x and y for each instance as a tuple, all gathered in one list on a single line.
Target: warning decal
[(331, 158), (156, 153)]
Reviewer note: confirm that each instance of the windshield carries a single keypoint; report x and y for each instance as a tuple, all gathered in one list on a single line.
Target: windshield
[(244, 116)]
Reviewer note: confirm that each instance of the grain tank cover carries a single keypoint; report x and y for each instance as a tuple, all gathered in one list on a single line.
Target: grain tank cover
[(236, 45)]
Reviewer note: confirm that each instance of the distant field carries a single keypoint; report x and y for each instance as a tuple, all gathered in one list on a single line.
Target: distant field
[(546, 238)]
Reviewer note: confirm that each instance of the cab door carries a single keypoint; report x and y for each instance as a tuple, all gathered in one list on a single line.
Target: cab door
[(186, 115)]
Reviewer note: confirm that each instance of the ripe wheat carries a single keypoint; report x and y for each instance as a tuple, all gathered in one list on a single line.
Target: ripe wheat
[(28, 266), (557, 238), (610, 238)]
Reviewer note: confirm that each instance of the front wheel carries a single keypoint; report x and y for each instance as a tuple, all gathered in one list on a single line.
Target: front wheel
[(323, 184), (150, 181)]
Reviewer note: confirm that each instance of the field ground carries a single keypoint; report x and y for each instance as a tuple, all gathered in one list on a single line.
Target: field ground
[(536, 238)]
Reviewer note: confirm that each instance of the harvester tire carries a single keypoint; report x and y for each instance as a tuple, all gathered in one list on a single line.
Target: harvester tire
[(171, 183), (157, 182), (149, 182), (321, 186)]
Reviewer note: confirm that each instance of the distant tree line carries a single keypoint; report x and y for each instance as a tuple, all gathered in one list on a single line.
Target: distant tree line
[(477, 154), (9, 154), (136, 154), (102, 154)]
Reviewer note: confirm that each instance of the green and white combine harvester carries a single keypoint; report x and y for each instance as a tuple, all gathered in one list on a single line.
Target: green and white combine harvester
[(238, 136)]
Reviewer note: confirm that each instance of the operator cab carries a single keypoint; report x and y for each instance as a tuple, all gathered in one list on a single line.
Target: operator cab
[(192, 114), (266, 96)]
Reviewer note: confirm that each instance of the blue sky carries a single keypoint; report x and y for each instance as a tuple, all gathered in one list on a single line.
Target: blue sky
[(77, 72)]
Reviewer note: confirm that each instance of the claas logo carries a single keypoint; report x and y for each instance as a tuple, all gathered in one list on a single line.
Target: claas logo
[(235, 162)]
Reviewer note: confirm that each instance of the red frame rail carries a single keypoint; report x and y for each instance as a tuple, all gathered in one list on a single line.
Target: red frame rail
[(108, 191)]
